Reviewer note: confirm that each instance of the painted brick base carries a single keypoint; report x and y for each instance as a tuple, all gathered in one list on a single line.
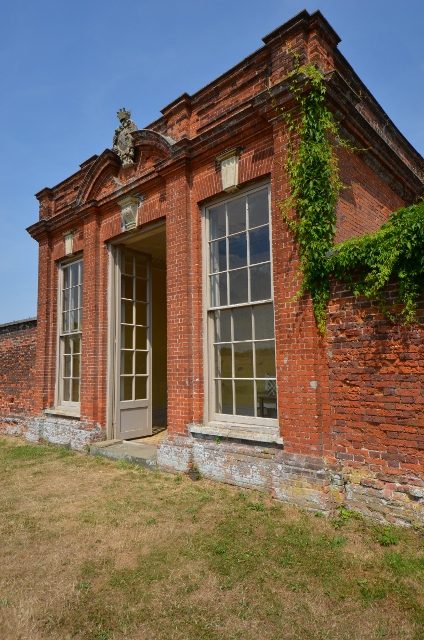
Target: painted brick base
[(13, 425), (64, 431), (297, 479)]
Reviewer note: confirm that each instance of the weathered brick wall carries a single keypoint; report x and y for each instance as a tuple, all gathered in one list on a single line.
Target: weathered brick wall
[(376, 386), (17, 361)]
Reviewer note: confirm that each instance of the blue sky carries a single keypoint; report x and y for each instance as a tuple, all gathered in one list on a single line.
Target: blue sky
[(66, 67)]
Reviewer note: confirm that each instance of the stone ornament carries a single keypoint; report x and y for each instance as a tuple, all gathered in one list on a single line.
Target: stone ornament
[(129, 211), (123, 144), (228, 163), (69, 243)]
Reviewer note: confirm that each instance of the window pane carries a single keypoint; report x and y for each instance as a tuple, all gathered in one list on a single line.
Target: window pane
[(223, 364), (264, 321), (74, 297), (126, 387), (265, 359), (236, 210), (141, 362), (127, 287), (237, 251), (140, 388), (127, 362), (140, 266), (224, 396), (140, 338), (75, 389), (258, 208), (66, 299), (141, 289), (74, 320), (219, 290), (218, 255), (65, 322), (266, 405), (244, 397), (260, 282), (128, 264), (243, 360), (141, 313), (127, 337), (76, 344), (242, 323), (67, 390), (127, 312), (217, 222), (74, 268), (66, 278), (76, 366), (223, 325), (238, 286), (259, 245), (67, 345), (67, 366)]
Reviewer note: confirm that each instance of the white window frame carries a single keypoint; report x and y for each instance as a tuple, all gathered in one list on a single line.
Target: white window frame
[(68, 407), (211, 417)]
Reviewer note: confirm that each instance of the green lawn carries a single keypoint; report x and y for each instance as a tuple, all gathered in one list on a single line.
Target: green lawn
[(97, 550)]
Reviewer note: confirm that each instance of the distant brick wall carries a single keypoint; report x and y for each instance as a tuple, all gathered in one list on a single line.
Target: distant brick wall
[(17, 361)]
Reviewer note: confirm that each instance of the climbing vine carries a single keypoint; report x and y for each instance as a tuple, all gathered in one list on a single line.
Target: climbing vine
[(394, 252), (368, 263), (313, 174)]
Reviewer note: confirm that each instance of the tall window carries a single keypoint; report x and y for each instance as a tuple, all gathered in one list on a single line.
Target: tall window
[(241, 310), (70, 327)]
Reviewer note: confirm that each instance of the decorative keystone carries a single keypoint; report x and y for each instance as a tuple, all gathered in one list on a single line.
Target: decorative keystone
[(129, 211), (69, 243), (228, 163)]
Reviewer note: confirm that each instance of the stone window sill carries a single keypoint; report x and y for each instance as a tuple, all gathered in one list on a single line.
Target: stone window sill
[(256, 434), (66, 412)]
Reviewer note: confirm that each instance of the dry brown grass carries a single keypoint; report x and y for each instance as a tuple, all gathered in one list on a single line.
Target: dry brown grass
[(90, 549)]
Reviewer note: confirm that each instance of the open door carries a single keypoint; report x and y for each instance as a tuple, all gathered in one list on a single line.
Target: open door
[(133, 407)]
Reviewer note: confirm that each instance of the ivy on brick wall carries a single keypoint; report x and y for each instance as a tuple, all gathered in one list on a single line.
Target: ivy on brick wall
[(394, 252), (367, 263), (313, 174)]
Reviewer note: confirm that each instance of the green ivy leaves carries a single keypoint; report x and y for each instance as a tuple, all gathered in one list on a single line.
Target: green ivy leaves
[(313, 173), (394, 252), (368, 263)]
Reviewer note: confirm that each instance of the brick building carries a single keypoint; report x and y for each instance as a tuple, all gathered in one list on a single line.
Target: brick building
[(166, 297)]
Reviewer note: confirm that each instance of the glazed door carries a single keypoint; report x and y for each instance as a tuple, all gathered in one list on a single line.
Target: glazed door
[(133, 345)]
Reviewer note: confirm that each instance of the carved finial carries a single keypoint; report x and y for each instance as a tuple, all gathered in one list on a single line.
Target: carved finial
[(123, 114), (123, 144)]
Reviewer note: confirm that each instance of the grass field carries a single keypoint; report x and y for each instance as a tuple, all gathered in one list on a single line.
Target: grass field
[(100, 550)]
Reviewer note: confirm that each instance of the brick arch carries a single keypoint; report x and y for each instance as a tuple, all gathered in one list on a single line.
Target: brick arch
[(105, 167), (158, 143)]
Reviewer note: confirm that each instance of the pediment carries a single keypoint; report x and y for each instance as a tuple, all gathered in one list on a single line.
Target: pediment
[(107, 174), (100, 178)]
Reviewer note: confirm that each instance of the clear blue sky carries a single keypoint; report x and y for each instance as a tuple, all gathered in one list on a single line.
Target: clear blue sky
[(67, 66)]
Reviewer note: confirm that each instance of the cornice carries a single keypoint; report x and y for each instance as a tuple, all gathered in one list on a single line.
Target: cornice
[(378, 152)]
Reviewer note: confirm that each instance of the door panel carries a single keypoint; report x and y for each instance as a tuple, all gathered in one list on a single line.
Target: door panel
[(133, 345)]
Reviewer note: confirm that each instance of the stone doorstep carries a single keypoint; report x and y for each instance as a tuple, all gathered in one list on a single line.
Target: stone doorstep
[(144, 455)]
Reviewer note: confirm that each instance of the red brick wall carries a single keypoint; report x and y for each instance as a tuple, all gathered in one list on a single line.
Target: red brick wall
[(366, 200), (17, 362), (376, 372)]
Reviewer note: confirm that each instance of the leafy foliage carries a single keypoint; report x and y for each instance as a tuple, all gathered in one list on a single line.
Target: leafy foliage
[(368, 263), (313, 173), (395, 251)]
